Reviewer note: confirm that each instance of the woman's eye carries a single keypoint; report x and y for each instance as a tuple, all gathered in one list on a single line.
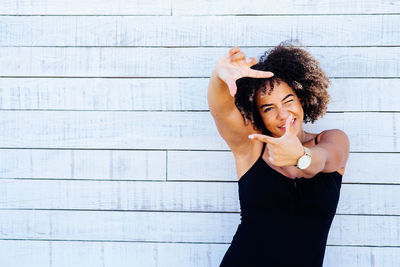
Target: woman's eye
[(267, 109)]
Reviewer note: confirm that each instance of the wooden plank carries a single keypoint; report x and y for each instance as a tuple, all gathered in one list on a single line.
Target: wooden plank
[(83, 164), (201, 165), (172, 196), (124, 254), (361, 256), (220, 166), (211, 197), (179, 62), (359, 199), (170, 130), (361, 135), (169, 94), (103, 94), (383, 170), (175, 227), (359, 230), (221, 7), (151, 165), (258, 7), (364, 95), (375, 30), (109, 254), (119, 195), (137, 130), (88, 7)]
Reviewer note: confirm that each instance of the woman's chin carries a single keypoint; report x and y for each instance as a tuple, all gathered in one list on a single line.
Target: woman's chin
[(281, 131), (278, 134)]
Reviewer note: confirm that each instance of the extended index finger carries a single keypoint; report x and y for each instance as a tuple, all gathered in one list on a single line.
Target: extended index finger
[(259, 74), (264, 138)]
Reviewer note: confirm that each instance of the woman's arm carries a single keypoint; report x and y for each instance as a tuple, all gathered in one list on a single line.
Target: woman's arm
[(330, 154), (221, 91)]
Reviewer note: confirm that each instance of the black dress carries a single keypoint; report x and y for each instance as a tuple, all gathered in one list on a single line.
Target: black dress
[(284, 222)]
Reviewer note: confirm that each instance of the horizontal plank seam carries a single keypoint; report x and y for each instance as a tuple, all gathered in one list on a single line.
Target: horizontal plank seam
[(161, 149), (193, 46), (205, 15), (288, 15), (155, 180), (169, 78), (162, 242), (175, 211), (107, 15), (173, 110), (179, 110)]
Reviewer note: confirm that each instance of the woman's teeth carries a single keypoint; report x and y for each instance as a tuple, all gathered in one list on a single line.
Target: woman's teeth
[(293, 123)]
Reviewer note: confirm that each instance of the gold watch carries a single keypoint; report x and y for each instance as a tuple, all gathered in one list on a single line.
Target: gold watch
[(304, 161)]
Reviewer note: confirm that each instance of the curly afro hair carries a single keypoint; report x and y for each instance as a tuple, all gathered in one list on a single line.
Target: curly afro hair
[(293, 65)]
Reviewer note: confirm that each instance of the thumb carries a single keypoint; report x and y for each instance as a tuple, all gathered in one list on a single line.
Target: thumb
[(232, 87)]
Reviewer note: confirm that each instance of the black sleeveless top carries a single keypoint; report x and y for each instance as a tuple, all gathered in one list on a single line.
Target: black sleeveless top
[(284, 222)]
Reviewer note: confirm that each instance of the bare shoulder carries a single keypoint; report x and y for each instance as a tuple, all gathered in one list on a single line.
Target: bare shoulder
[(334, 139), (337, 143), (336, 136)]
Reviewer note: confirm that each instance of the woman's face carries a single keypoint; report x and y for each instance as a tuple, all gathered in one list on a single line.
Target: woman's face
[(276, 108)]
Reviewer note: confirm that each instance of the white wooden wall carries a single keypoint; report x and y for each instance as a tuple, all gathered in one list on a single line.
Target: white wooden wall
[(109, 156)]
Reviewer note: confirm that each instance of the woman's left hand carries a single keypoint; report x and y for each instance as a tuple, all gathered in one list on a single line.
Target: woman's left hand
[(284, 150)]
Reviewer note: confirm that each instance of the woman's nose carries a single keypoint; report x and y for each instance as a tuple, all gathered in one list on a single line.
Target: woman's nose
[(283, 114)]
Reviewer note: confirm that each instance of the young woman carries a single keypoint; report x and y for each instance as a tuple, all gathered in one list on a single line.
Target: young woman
[(289, 179)]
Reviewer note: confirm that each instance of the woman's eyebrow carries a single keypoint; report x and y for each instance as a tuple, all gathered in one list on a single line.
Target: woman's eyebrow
[(265, 105)]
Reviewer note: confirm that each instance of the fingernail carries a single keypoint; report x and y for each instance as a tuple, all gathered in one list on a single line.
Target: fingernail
[(251, 136)]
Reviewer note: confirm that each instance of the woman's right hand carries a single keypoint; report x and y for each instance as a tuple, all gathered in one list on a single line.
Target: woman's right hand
[(234, 66)]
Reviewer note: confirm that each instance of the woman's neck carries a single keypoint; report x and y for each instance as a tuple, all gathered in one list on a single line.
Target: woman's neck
[(305, 137)]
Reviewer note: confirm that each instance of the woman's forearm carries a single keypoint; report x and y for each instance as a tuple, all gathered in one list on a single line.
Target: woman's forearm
[(318, 161), (220, 101)]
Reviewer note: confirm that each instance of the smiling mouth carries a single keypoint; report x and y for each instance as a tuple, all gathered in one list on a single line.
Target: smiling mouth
[(293, 123)]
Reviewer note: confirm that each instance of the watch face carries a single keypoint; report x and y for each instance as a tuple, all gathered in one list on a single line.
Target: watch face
[(304, 161)]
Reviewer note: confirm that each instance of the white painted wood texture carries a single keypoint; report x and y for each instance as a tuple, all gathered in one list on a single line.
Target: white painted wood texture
[(198, 227), (82, 164), (202, 31), (260, 7), (87, 7), (170, 130), (348, 62), (127, 254), (182, 165), (203, 7), (169, 94), (362, 199), (109, 156), (219, 166)]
